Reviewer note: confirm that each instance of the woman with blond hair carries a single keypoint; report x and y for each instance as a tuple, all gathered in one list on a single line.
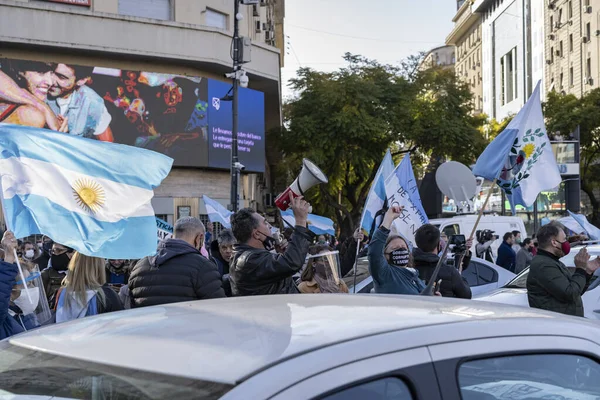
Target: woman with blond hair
[(84, 291)]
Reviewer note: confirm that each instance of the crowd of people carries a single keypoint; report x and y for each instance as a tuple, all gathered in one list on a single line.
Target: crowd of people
[(56, 284)]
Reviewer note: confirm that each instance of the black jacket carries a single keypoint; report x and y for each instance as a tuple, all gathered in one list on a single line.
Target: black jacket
[(348, 255), (551, 286), (256, 271), (178, 273), (218, 259), (453, 284), (111, 301)]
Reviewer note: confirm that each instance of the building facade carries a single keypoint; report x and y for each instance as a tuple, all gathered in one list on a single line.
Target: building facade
[(178, 50), (443, 56), (572, 46), (511, 35), (466, 38)]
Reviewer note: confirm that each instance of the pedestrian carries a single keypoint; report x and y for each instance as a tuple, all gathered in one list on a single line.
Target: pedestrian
[(254, 269), (348, 250), (8, 274), (117, 273), (550, 285), (179, 272), (517, 241), (426, 257), (84, 292), (390, 260), (506, 255), (524, 256), (45, 253), (28, 301), (29, 251), (58, 267), (221, 250), (322, 274)]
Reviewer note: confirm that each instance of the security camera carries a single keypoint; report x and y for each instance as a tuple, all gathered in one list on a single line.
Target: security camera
[(244, 79), (239, 166)]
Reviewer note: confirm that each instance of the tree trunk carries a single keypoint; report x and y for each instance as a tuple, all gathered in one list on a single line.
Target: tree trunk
[(589, 190)]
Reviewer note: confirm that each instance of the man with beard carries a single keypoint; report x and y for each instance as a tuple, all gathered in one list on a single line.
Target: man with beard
[(70, 98), (53, 276)]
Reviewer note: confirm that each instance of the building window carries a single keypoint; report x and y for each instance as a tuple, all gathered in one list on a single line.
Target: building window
[(571, 81), (215, 19), (551, 23), (571, 43), (560, 14), (561, 81), (588, 68), (588, 31), (560, 49), (155, 9), (509, 77), (551, 55), (570, 9)]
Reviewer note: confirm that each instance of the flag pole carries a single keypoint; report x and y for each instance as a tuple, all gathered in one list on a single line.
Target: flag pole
[(355, 265), (9, 228), (487, 199)]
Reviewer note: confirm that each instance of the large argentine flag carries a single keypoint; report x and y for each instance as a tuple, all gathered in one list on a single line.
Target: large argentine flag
[(317, 224), (85, 194), (521, 157), (376, 196), (217, 213)]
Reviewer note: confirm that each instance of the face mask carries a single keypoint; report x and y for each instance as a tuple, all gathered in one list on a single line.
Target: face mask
[(518, 241), (399, 257), (29, 254), (269, 242), (26, 306), (565, 247), (40, 246), (48, 247), (61, 262)]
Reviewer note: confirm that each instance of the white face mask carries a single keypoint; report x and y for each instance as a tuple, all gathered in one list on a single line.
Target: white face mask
[(29, 254), (26, 306)]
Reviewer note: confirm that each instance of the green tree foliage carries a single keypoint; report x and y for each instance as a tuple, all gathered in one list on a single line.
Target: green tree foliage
[(345, 120), (563, 114)]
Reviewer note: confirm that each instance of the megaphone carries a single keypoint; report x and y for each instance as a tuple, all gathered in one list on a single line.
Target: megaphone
[(310, 176)]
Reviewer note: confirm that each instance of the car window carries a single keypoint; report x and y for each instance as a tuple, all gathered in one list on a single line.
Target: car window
[(25, 373), (520, 281), (486, 274), (382, 389), (470, 274), (530, 377), (451, 230)]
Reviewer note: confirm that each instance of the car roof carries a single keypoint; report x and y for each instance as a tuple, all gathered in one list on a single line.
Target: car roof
[(228, 340)]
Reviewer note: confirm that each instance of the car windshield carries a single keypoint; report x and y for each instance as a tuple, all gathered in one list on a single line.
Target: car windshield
[(25, 373)]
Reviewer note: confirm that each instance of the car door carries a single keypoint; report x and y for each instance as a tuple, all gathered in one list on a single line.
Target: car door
[(518, 367), (402, 375)]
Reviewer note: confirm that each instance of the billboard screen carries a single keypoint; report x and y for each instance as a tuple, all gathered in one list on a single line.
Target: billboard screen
[(166, 113), (251, 127)]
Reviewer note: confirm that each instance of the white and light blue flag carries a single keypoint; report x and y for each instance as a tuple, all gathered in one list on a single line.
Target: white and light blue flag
[(592, 232), (402, 190), (90, 195), (521, 157), (217, 213), (376, 197), (317, 224)]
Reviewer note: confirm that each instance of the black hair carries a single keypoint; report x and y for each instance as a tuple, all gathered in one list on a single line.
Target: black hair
[(309, 272), (526, 242), (14, 69), (243, 223), (427, 238), (547, 233), (515, 233), (81, 71), (507, 236)]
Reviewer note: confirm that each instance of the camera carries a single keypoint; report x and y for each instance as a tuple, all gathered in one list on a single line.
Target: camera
[(458, 244), (485, 236), (239, 166)]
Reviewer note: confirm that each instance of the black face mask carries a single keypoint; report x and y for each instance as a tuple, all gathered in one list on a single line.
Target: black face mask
[(269, 242), (400, 257), (60, 262)]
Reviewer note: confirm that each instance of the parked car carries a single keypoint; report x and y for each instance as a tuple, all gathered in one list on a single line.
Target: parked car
[(482, 276), (308, 347), (515, 291)]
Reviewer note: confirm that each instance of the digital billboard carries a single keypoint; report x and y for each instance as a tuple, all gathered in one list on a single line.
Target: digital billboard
[(166, 113)]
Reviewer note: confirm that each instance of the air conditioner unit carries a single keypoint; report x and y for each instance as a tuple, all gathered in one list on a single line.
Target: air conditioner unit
[(587, 10), (589, 80), (557, 52), (598, 33), (557, 25), (551, 37), (263, 3), (585, 39), (549, 62)]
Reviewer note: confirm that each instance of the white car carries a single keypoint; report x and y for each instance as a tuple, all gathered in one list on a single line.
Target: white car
[(515, 292), (482, 277), (301, 347)]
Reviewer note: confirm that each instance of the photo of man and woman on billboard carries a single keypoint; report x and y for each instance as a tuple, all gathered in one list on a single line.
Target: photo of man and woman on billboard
[(161, 112)]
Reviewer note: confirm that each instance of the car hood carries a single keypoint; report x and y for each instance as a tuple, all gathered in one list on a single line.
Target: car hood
[(512, 296)]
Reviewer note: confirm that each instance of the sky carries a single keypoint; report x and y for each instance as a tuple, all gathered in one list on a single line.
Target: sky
[(319, 32)]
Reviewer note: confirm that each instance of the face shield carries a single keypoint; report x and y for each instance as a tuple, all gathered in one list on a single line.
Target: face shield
[(326, 267), (30, 296)]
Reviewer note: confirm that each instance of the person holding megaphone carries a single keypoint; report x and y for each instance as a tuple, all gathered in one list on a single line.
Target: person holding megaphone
[(254, 268)]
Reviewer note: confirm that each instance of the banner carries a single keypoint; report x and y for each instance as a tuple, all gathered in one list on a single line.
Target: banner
[(164, 230)]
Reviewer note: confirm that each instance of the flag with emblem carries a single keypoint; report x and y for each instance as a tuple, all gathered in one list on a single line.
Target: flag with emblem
[(376, 197), (89, 195), (521, 157)]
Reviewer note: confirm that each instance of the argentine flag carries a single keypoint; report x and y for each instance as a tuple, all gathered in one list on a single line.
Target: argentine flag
[(376, 197), (316, 224), (86, 194), (217, 213), (521, 157)]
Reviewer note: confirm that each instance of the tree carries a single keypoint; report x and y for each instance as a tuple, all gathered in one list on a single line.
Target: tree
[(345, 120), (564, 113)]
